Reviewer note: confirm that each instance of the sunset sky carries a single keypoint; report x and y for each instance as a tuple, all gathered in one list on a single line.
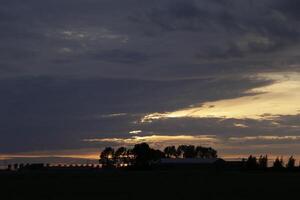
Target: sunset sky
[(79, 75)]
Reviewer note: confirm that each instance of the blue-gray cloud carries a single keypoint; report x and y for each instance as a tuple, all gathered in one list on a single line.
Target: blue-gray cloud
[(66, 63), (163, 39), (43, 112)]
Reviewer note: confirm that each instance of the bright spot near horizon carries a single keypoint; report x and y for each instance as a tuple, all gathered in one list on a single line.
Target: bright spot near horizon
[(282, 97)]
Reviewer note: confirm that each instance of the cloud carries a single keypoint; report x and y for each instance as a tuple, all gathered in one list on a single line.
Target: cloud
[(135, 132), (265, 138), (114, 115), (288, 8), (159, 140), (55, 113), (70, 69), (119, 56), (240, 125), (92, 35), (268, 102), (147, 38)]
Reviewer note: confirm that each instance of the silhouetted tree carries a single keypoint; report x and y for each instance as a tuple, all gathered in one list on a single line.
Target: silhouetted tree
[(180, 150), (141, 154), (120, 156), (156, 155), (211, 153), (278, 163), (291, 163), (170, 152), (251, 162), (263, 162), (144, 155), (16, 166), (129, 153), (120, 152), (200, 151), (203, 152), (106, 157), (187, 151)]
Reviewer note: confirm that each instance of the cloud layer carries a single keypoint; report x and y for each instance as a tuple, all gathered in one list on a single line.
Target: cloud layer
[(78, 69)]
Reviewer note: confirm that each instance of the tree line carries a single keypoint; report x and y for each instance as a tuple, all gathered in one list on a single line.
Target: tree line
[(142, 155), (262, 163)]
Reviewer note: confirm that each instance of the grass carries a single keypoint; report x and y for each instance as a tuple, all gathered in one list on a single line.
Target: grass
[(175, 184)]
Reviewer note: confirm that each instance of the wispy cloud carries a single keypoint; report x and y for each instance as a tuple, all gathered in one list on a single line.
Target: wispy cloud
[(113, 115), (89, 34), (87, 153), (135, 132), (159, 140), (240, 125), (263, 137)]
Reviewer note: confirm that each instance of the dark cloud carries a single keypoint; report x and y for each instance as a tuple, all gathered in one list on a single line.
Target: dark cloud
[(120, 56), (270, 30), (106, 37), (288, 8), (66, 63), (37, 112), (16, 54)]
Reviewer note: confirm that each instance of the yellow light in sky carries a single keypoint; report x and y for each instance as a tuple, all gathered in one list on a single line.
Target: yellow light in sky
[(282, 97), (158, 139)]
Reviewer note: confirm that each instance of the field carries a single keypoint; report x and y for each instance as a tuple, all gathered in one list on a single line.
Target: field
[(174, 184)]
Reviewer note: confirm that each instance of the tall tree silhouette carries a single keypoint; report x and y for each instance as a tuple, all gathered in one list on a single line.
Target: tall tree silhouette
[(129, 158), (120, 156), (186, 151), (141, 154), (107, 157), (120, 152), (251, 162), (278, 163), (203, 152), (144, 155), (291, 163), (180, 150), (263, 162), (170, 152), (211, 153), (156, 154)]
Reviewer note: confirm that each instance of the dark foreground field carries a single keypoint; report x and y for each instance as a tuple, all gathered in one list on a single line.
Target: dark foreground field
[(149, 185)]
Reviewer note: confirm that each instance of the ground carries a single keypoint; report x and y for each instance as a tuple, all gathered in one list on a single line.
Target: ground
[(174, 184)]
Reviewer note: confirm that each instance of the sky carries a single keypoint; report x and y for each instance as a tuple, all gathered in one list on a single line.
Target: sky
[(79, 75)]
